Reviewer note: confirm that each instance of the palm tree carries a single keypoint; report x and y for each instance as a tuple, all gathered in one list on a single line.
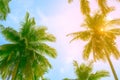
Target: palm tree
[(100, 34), (4, 9), (101, 38), (24, 57), (84, 72)]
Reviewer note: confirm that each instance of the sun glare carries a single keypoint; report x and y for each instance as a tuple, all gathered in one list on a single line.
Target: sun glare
[(102, 29)]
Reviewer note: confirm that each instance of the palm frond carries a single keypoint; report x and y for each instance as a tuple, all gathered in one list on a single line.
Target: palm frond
[(43, 35), (113, 22), (112, 49), (87, 50), (75, 64), (83, 35), (43, 61), (15, 71), (104, 7), (115, 31), (84, 6), (47, 50), (6, 49), (26, 25), (10, 34), (98, 75), (83, 71), (98, 50)]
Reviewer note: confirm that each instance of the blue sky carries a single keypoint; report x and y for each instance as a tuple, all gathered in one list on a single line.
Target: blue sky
[(60, 18)]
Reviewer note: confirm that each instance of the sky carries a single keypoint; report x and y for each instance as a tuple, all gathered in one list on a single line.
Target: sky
[(61, 19)]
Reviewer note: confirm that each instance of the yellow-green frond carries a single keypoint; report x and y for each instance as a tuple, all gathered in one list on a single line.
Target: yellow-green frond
[(49, 51), (99, 74), (84, 6), (83, 35), (104, 7), (87, 50), (115, 31), (113, 22)]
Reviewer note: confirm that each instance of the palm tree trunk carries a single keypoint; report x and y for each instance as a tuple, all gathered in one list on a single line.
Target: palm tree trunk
[(112, 67)]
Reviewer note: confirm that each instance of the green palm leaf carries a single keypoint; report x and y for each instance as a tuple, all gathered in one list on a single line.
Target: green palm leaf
[(10, 34), (84, 72), (98, 75), (4, 9)]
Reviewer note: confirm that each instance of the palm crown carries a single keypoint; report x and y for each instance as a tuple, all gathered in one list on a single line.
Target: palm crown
[(85, 72), (99, 30), (25, 56)]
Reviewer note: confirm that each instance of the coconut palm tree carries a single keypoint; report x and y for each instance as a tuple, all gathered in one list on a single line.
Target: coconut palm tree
[(4, 9), (100, 34), (24, 56), (84, 72)]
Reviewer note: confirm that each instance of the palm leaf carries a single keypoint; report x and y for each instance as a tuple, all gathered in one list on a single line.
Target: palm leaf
[(43, 61), (47, 50), (43, 35), (115, 31), (87, 50), (104, 7), (98, 75), (111, 48), (7, 49), (84, 6), (10, 34), (113, 22), (26, 26), (84, 35)]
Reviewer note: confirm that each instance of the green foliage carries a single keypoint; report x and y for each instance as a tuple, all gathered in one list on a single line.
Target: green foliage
[(24, 57), (84, 72), (11, 34), (98, 75), (4, 9)]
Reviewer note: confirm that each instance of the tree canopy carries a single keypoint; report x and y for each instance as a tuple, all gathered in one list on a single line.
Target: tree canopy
[(24, 57)]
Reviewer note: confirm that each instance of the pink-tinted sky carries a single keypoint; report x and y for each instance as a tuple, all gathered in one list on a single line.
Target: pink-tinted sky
[(61, 18)]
